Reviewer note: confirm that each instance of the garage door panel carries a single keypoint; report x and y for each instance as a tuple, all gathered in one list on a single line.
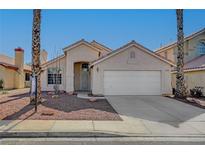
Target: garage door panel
[(132, 82)]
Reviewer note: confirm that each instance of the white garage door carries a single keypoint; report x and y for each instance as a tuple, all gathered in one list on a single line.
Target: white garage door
[(132, 82)]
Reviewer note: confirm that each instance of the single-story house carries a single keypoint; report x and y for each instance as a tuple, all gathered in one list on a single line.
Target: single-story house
[(13, 71), (90, 66)]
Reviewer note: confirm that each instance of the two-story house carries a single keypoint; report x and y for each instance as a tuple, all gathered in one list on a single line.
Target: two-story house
[(194, 58)]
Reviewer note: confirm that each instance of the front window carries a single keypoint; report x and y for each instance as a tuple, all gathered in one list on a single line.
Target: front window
[(54, 76), (201, 48), (85, 67)]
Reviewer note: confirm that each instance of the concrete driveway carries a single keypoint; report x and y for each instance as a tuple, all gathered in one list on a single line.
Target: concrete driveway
[(160, 114)]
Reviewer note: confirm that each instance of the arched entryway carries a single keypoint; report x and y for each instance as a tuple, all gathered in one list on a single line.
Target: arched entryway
[(81, 76)]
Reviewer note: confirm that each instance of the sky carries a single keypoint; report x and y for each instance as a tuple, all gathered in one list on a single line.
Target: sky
[(113, 28)]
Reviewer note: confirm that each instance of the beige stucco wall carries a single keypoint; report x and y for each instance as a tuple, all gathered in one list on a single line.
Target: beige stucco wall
[(103, 50), (189, 49), (192, 79), (44, 76), (121, 61), (81, 53), (77, 70), (168, 54), (8, 76)]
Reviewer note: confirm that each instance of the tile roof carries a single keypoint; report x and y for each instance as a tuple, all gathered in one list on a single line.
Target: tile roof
[(6, 59), (10, 66), (195, 64), (198, 62), (9, 62)]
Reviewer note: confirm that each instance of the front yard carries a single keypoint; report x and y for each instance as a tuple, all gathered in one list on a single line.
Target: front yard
[(17, 107)]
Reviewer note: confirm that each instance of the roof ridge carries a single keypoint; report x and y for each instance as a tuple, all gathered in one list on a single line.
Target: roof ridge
[(101, 45), (81, 40)]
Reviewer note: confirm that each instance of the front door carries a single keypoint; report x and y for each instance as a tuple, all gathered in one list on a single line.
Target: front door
[(85, 77)]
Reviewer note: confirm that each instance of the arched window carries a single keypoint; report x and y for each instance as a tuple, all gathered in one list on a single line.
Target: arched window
[(201, 47), (132, 55)]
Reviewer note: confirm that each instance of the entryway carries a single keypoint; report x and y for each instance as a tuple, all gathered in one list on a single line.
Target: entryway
[(81, 76)]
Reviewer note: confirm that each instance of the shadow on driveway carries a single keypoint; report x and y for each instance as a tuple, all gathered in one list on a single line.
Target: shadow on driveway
[(157, 109)]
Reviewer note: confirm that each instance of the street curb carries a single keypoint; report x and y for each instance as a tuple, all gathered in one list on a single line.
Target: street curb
[(86, 135), (55, 134)]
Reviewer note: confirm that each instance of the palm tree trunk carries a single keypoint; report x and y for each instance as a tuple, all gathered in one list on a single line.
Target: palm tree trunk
[(180, 84), (36, 69)]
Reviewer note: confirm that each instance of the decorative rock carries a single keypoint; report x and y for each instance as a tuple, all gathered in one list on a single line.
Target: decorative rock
[(55, 96), (62, 92), (190, 99), (92, 99), (43, 100), (196, 100), (50, 93), (70, 93), (200, 102)]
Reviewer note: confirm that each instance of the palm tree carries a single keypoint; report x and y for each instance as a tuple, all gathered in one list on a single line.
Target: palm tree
[(36, 69), (180, 84)]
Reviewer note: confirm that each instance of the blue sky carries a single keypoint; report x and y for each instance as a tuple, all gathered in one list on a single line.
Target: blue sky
[(113, 28)]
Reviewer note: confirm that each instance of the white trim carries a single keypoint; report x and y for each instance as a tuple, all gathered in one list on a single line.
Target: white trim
[(190, 70)]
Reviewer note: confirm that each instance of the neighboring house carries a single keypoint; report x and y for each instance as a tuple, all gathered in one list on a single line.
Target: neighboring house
[(194, 73), (14, 72), (194, 49), (129, 70)]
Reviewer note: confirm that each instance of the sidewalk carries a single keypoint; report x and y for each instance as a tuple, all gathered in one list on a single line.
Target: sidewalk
[(83, 128)]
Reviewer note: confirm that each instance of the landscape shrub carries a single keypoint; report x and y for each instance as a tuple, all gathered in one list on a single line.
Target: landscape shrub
[(196, 92)]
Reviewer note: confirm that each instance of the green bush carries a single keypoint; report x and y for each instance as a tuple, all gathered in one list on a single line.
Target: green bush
[(196, 92)]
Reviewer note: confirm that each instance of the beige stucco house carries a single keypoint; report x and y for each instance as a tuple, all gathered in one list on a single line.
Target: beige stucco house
[(194, 68), (13, 71), (91, 66)]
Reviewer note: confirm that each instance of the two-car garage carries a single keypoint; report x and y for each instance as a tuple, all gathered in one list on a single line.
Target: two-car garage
[(132, 82), (131, 70)]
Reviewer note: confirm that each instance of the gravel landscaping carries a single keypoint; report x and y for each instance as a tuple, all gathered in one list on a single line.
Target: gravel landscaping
[(198, 102), (18, 107)]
